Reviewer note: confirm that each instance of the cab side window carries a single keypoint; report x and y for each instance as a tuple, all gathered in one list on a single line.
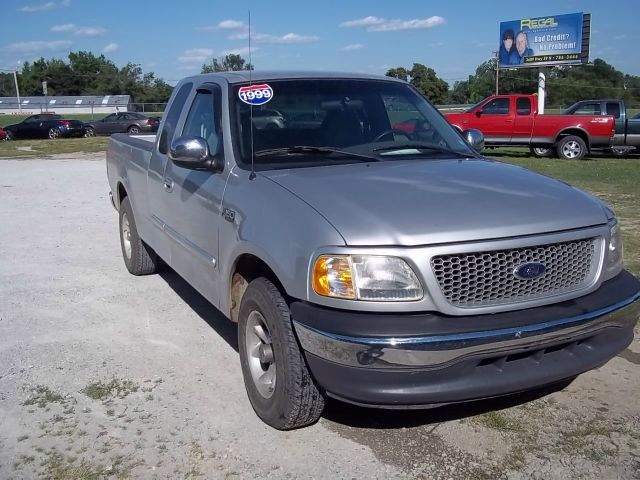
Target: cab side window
[(588, 109), (523, 106), (497, 106), (201, 121), (613, 109), (172, 117)]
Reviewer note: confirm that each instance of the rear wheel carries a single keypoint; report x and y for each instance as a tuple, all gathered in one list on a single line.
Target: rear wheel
[(133, 130), (278, 383), (9, 136), (571, 147), (89, 132), (139, 258), (53, 133), (541, 152)]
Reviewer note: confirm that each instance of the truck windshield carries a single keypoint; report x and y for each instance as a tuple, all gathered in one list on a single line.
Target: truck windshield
[(292, 121)]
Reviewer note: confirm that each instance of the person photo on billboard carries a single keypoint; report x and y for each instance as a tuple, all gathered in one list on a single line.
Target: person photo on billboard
[(522, 48), (507, 48)]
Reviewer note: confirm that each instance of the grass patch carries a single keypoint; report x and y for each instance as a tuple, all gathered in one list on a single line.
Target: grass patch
[(41, 395), (515, 459), (499, 421), (116, 388), (44, 148)]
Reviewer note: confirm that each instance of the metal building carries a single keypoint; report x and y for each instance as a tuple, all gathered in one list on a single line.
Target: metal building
[(65, 105)]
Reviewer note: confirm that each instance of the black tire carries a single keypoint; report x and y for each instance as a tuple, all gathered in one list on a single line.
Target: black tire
[(295, 401), (140, 259), (89, 132), (621, 151), (9, 136), (133, 130), (571, 147), (542, 152), (53, 133)]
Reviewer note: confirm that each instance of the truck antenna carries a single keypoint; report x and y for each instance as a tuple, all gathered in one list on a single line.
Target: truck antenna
[(252, 175)]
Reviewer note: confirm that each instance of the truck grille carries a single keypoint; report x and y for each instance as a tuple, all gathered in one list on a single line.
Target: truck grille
[(487, 278)]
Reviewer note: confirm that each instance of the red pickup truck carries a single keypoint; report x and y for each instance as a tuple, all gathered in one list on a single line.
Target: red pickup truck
[(507, 120)]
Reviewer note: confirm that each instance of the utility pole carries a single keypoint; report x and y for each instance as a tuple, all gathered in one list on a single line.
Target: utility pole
[(497, 52), (15, 79)]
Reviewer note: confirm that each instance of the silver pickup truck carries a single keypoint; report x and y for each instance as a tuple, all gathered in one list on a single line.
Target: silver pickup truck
[(380, 266)]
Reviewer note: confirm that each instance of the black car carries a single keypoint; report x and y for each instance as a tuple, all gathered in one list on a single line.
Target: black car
[(123, 122), (45, 125)]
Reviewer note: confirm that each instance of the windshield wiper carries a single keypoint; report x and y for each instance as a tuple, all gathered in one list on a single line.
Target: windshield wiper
[(309, 150), (423, 146)]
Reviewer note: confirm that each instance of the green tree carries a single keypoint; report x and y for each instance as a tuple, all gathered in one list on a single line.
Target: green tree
[(425, 80), (87, 74), (230, 63)]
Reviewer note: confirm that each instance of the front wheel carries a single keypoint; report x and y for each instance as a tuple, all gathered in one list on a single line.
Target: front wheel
[(571, 147), (278, 383), (89, 132)]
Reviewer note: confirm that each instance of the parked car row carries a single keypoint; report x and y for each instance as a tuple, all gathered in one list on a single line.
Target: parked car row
[(52, 126)]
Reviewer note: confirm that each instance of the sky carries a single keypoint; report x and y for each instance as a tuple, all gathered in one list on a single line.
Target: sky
[(173, 39)]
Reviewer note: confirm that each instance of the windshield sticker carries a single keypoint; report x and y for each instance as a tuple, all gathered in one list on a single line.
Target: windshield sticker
[(255, 94)]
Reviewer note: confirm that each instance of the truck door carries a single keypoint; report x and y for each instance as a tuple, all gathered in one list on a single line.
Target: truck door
[(613, 108), (193, 198), (496, 120), (158, 191), (523, 124)]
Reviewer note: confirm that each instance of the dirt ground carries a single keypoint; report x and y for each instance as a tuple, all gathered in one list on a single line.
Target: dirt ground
[(106, 375)]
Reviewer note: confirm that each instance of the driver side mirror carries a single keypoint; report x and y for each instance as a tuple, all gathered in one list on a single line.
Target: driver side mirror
[(193, 153), (475, 138), (478, 113)]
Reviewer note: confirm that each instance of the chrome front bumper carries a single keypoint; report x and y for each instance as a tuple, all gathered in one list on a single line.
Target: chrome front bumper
[(439, 351)]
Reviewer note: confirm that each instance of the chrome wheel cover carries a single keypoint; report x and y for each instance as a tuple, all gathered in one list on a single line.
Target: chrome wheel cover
[(571, 149), (126, 235), (259, 352)]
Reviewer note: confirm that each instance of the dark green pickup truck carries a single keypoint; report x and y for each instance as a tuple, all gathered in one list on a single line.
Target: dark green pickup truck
[(627, 136)]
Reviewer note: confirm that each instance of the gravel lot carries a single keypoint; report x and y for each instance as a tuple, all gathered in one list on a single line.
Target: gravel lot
[(105, 375)]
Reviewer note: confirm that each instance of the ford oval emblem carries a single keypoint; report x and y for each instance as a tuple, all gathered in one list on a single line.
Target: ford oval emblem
[(529, 271)]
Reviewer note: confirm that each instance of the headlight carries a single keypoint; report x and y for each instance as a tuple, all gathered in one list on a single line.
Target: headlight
[(365, 277), (613, 264)]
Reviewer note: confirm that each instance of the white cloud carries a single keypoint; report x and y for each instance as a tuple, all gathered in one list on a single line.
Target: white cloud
[(90, 31), (376, 24), (78, 30), (195, 55), (39, 46), (67, 27), (43, 7), (352, 46), (65, 3), (232, 25), (288, 39), (238, 51), (363, 22), (225, 25), (112, 47)]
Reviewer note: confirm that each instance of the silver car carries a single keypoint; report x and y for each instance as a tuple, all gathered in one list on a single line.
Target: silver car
[(364, 262)]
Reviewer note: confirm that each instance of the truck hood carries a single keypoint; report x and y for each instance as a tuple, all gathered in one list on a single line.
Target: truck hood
[(421, 202)]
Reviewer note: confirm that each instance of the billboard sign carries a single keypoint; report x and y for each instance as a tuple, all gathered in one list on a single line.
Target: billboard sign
[(553, 40)]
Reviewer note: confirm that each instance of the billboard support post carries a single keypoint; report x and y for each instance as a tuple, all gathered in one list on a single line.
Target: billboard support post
[(542, 89), (497, 69)]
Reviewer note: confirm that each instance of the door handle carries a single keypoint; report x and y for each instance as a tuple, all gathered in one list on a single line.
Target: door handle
[(168, 184)]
